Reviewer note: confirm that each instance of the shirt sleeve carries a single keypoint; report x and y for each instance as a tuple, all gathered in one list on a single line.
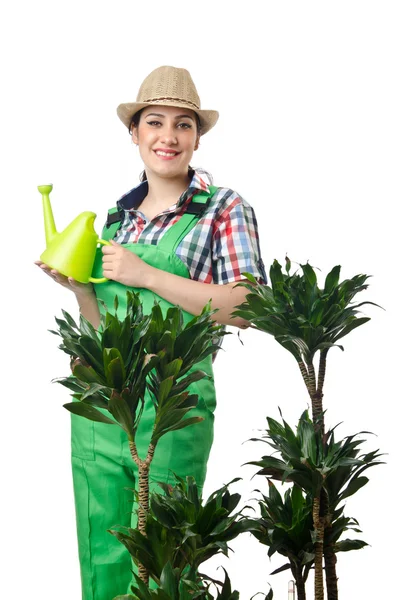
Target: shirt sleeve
[(235, 244)]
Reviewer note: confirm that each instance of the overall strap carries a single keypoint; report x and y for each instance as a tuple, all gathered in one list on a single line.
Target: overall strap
[(179, 230), (175, 234), (113, 223)]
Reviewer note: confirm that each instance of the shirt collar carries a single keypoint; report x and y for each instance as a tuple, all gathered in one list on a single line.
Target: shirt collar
[(132, 199), (198, 183)]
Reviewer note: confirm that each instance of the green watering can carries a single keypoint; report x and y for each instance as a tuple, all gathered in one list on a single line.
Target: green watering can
[(71, 252)]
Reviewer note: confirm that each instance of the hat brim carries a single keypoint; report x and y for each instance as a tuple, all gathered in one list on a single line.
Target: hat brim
[(208, 118)]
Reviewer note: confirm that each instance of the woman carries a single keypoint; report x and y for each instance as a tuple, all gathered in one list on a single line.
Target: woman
[(182, 242)]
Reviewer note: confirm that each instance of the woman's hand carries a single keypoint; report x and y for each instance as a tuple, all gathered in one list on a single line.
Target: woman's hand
[(124, 266), (80, 289), (84, 292)]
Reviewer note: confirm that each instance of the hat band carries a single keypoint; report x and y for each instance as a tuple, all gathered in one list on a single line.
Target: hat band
[(181, 100)]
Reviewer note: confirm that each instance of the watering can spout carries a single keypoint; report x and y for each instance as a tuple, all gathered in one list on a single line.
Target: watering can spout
[(49, 223)]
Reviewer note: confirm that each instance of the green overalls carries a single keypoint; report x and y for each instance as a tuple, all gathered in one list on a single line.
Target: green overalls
[(104, 474)]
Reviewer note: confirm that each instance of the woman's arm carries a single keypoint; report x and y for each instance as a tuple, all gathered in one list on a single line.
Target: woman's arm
[(84, 293), (193, 295), (127, 268), (88, 307)]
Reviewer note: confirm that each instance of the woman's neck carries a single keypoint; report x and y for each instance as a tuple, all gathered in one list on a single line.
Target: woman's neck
[(164, 192)]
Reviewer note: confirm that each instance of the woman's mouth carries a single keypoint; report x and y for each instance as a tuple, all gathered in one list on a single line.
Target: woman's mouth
[(166, 154)]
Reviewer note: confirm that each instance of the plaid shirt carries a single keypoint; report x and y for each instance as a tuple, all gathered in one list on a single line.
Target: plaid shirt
[(223, 244)]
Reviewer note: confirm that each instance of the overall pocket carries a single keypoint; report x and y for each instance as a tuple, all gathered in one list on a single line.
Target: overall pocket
[(83, 435), (206, 392)]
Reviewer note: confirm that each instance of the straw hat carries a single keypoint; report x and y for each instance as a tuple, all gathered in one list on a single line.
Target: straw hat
[(168, 86)]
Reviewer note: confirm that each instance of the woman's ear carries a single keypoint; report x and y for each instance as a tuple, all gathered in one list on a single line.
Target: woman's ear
[(134, 136), (197, 144)]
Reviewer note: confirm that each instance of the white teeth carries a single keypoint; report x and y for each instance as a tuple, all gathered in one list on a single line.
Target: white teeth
[(161, 153)]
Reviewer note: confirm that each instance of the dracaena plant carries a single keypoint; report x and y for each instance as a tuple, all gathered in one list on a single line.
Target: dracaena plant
[(113, 367), (175, 584), (318, 466), (286, 528), (307, 321), (184, 530)]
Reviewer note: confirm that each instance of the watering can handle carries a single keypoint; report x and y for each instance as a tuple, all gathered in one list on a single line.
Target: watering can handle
[(100, 279)]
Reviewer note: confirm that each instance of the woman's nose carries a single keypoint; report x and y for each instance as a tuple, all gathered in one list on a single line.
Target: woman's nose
[(168, 136)]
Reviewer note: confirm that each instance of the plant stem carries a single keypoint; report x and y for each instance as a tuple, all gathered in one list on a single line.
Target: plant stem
[(306, 571), (312, 379), (299, 580), (330, 571), (300, 588), (321, 370), (316, 397), (134, 453), (318, 522), (143, 495), (329, 551), (304, 374)]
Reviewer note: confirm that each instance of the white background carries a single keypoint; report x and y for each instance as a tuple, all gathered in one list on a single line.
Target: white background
[(307, 134)]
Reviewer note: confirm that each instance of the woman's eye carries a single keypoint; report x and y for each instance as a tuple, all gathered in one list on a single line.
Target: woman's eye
[(180, 125)]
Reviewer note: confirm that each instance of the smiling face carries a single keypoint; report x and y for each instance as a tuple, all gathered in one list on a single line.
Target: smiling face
[(167, 137)]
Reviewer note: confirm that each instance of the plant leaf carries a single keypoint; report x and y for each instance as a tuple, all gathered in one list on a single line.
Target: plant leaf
[(89, 412)]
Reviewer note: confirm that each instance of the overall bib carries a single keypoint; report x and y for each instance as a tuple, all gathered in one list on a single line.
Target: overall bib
[(104, 474)]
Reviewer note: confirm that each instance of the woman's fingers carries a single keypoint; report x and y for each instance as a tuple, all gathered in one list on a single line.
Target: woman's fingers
[(110, 249), (45, 268), (59, 278), (53, 273), (68, 282)]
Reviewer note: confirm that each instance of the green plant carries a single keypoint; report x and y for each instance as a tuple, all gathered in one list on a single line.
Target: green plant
[(113, 368), (286, 527), (174, 584), (307, 320), (183, 530), (321, 467)]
